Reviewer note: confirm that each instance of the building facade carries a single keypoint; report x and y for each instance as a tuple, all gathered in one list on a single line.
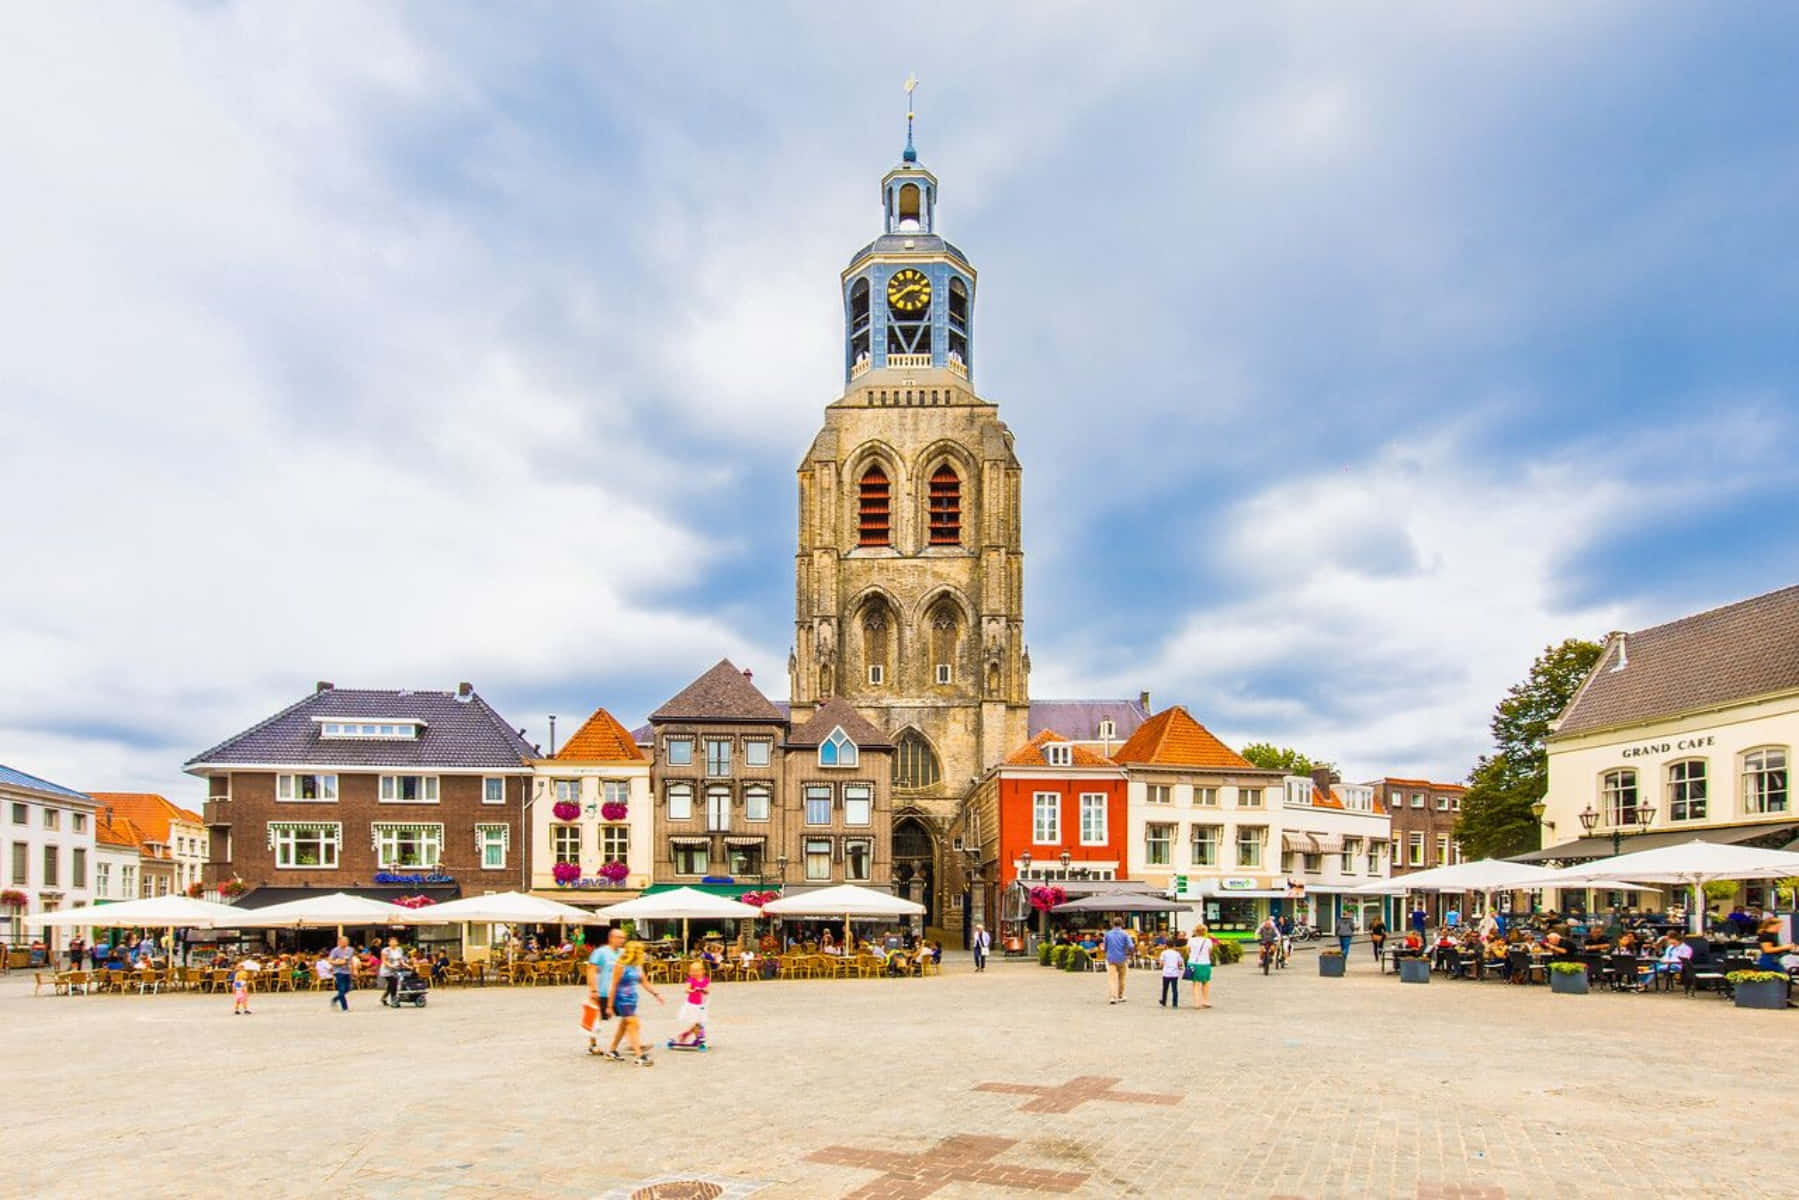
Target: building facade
[(49, 835), (1680, 731), (378, 793), (837, 823), (171, 840), (591, 817), (1053, 812), (1422, 837), (909, 575), (1204, 821), (1334, 839)]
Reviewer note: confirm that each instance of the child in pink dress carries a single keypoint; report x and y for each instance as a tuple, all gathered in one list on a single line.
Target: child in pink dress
[(693, 1010)]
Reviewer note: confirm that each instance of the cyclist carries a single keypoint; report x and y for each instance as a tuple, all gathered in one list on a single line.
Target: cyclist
[(1286, 940), (1268, 934)]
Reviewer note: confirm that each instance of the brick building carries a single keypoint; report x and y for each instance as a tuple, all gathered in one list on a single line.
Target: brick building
[(1422, 816), (377, 793)]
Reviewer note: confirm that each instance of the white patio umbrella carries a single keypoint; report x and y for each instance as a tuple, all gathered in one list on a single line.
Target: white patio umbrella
[(683, 903), (1695, 864), (155, 912), (332, 910), (845, 900), (1483, 875), (501, 908)]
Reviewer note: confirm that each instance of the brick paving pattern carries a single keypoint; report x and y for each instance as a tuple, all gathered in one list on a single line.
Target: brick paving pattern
[(1292, 1086), (1076, 1092)]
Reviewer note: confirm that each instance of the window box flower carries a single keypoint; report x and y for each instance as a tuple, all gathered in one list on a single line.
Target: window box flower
[(614, 872), (566, 810), (566, 874), (614, 810), (12, 898)]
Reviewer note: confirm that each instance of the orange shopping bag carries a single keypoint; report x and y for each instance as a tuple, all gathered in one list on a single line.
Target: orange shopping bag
[(590, 1015)]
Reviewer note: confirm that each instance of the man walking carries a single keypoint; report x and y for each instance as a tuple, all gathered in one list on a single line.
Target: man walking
[(1345, 931), (343, 963), (982, 943), (1118, 959), (599, 980)]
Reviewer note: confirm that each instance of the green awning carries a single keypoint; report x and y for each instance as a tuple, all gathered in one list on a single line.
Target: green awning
[(729, 891)]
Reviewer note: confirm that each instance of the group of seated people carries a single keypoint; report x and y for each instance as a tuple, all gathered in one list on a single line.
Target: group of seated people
[(1664, 955)]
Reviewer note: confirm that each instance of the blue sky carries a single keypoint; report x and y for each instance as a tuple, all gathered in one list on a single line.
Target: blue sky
[(399, 345)]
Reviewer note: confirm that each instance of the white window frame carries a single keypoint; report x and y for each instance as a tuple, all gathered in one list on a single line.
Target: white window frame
[(1253, 838), (816, 793), (685, 742), (699, 853), (1417, 799), (719, 756), (1058, 754), (1094, 805), (838, 752), (565, 791), (389, 836), (1683, 804), (1249, 797), (1200, 836), (1158, 793), (491, 784), (758, 801), (1165, 841), (877, 675), (565, 840), (682, 791), (1352, 850), (1615, 786), (488, 837), (809, 850), (1205, 797), (387, 729), (868, 846), (754, 746), (428, 790), (284, 838), (946, 674), (1046, 805), (287, 789), (1758, 764), (1415, 848), (718, 808), (858, 794), (615, 843)]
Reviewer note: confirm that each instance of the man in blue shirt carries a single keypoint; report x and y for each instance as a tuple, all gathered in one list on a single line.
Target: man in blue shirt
[(1119, 945), (599, 977)]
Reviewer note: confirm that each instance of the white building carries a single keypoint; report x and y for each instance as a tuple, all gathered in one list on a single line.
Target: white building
[(49, 835), (590, 817), (1334, 838), (1684, 730)]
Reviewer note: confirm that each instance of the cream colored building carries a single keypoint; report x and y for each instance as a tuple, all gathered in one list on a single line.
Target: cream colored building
[(1684, 730), (1334, 838), (590, 808)]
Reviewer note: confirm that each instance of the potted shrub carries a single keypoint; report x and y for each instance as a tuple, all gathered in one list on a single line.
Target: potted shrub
[(1331, 964), (1568, 978), (1044, 949), (1077, 960), (1225, 950), (1058, 956), (1415, 969), (1758, 989)]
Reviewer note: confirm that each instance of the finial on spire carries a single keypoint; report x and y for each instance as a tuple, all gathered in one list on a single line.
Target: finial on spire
[(911, 154)]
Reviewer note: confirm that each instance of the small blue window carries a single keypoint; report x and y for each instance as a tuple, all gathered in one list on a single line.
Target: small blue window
[(837, 751)]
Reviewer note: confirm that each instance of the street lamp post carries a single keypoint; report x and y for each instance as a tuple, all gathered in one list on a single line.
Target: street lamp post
[(1065, 858), (1641, 817)]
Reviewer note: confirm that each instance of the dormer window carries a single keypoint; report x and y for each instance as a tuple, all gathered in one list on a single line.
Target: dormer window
[(1107, 730), (1059, 754), (838, 751), (386, 728)]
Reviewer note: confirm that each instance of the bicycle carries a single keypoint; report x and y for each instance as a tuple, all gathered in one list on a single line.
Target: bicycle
[(1283, 951), (1267, 956)]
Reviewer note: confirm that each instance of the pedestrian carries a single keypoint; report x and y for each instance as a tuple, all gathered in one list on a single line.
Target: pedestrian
[(1377, 937), (1419, 923), (240, 987), (77, 948), (343, 966), (1173, 967), (599, 980), (393, 962), (983, 941), (1453, 918), (627, 977), (1345, 931), (1199, 965), (693, 1010), (1119, 945)]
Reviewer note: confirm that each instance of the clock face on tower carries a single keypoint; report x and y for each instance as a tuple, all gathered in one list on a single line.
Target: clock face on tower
[(908, 291)]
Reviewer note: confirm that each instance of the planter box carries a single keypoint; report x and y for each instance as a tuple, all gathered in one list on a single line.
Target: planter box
[(1331, 965), (1568, 983), (1414, 970), (1771, 993)]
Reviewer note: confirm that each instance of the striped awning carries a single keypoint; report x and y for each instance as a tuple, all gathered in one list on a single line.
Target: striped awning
[(745, 841), (1304, 843), (684, 840)]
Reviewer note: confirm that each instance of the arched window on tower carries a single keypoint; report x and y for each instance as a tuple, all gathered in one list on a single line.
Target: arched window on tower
[(877, 641), (859, 320), (958, 321), (946, 636), (946, 507), (914, 762), (910, 202), (874, 512)]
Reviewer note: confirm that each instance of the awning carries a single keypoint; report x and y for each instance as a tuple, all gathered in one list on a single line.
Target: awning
[(729, 891), (757, 840), (688, 840), (1304, 843), (1089, 887), (263, 897), (1777, 833)]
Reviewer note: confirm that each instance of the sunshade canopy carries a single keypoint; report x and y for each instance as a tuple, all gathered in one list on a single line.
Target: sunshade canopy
[(156, 912), (1485, 875), (326, 912), (1121, 902), (844, 900), (1687, 862), (501, 908), (680, 904)]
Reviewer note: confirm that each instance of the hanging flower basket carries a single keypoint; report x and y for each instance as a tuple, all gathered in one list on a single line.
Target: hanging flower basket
[(14, 899), (566, 874), (566, 810), (414, 901), (614, 810), (1045, 898), (758, 899), (195, 890), (613, 872), (231, 889)]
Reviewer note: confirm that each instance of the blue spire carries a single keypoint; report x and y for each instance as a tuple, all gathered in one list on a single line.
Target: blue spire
[(911, 154)]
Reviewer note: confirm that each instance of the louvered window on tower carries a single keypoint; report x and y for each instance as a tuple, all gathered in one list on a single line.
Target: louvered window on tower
[(946, 508), (876, 519)]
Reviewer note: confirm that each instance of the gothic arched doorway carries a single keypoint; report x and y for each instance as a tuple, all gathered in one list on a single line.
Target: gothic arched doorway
[(915, 858)]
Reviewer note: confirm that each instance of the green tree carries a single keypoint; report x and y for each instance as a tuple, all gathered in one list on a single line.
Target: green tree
[(1270, 757), (1496, 820)]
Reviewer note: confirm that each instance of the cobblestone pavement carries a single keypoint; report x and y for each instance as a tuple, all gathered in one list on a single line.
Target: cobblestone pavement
[(1017, 1082)]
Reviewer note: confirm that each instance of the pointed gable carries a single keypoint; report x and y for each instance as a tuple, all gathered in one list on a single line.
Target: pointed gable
[(722, 694), (1031, 753), (147, 813), (1172, 738), (837, 713), (600, 739)]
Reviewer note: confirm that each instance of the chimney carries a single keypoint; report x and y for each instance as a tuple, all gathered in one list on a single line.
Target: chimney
[(1143, 699), (464, 690), (1623, 652), (1321, 779), (323, 685), (552, 735)]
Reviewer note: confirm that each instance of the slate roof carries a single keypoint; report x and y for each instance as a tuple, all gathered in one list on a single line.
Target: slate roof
[(1078, 720), (600, 739), (1713, 658), (721, 694), (837, 712), (145, 813), (459, 732), (1172, 738), (1031, 753), (11, 777)]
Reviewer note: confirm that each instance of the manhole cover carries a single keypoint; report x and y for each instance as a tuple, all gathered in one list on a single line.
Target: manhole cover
[(679, 1189)]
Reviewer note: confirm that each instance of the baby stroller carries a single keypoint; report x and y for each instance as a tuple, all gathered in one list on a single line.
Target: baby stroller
[(413, 989)]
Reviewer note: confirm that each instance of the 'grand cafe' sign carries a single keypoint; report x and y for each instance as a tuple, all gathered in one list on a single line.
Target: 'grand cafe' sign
[(1680, 745)]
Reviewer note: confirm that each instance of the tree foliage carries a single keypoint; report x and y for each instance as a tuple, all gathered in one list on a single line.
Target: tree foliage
[(1270, 757), (1496, 820)]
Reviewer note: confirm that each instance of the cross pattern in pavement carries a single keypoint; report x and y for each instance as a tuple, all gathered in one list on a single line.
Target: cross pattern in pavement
[(963, 1158), (1077, 1091)]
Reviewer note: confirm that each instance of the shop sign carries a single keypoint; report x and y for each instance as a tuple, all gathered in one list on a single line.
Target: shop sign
[(413, 880), (1237, 885), (1679, 745)]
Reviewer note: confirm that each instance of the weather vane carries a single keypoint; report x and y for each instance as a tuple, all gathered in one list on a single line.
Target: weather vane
[(911, 86)]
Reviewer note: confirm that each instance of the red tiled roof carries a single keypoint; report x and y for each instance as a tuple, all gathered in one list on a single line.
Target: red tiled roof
[(117, 832), (600, 739), (148, 813), (1324, 799), (1031, 753), (1173, 738)]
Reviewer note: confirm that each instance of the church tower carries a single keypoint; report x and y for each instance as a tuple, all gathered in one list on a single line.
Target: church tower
[(910, 573)]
